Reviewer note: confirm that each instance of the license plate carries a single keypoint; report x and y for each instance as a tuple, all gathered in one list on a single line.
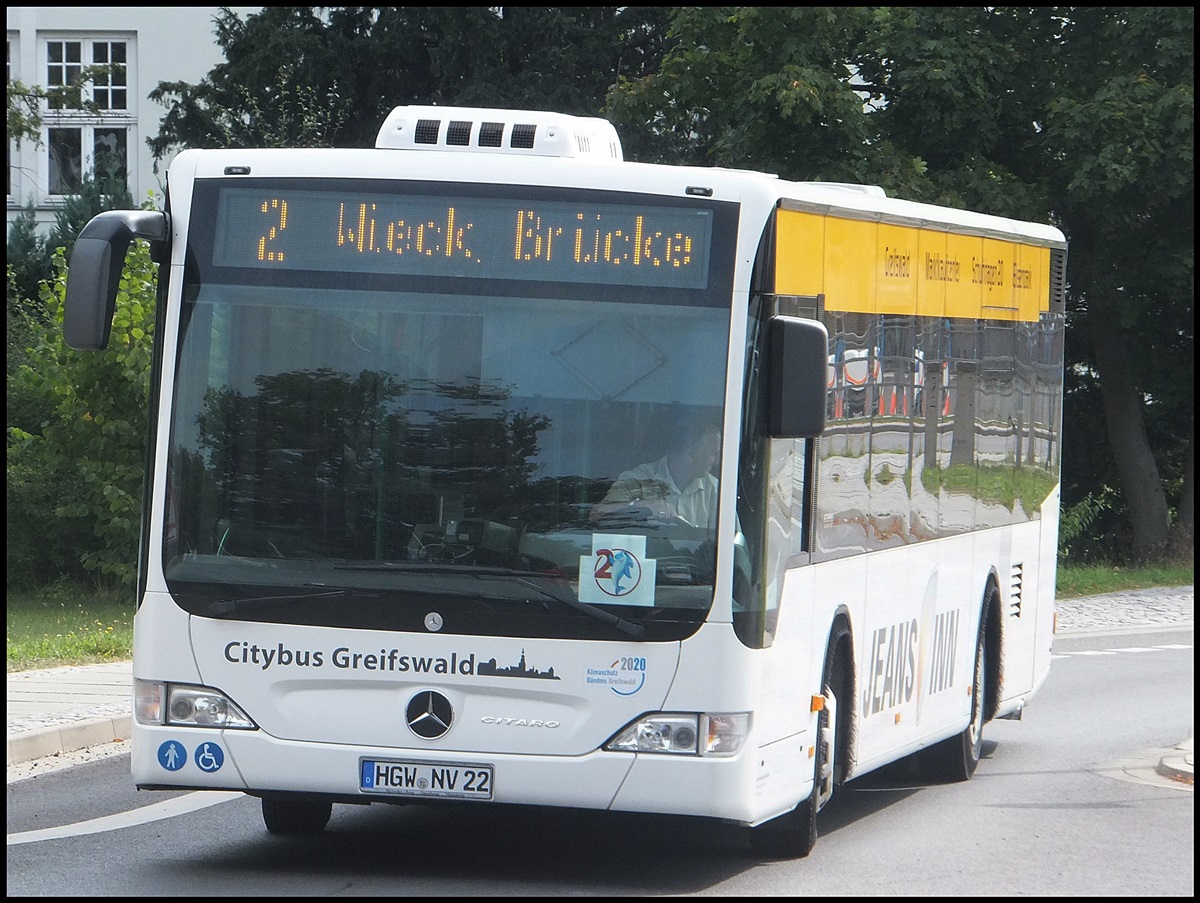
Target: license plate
[(426, 779)]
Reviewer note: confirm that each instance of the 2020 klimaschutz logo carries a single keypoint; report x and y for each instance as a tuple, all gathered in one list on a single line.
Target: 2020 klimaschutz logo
[(624, 675)]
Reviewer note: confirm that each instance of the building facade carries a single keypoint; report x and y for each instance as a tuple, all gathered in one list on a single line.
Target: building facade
[(140, 47)]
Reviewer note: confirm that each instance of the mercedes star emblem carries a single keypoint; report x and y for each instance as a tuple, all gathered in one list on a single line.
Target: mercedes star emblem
[(429, 714), (433, 621)]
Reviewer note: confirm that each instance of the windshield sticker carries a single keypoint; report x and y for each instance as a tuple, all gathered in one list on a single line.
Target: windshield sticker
[(617, 571), (624, 676)]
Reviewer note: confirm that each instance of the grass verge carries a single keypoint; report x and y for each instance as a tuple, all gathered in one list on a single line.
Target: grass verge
[(1094, 580), (66, 625)]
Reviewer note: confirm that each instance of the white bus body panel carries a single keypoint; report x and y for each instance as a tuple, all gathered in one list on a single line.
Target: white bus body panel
[(542, 735)]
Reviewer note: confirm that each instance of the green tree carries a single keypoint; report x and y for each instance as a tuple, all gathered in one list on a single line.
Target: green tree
[(327, 76), (30, 263), (756, 87), (75, 483), (1120, 136), (24, 111), (25, 102), (24, 320), (959, 90)]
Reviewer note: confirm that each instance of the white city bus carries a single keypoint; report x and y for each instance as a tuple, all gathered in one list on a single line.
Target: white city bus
[(394, 387)]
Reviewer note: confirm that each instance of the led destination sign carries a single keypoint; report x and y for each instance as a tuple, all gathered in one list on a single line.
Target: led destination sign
[(439, 235)]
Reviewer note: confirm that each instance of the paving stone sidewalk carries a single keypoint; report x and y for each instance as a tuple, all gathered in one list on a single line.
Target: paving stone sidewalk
[(1159, 607)]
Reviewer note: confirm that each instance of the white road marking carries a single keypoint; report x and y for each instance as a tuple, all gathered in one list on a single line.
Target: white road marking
[(1061, 655), (1138, 649), (191, 802), (1126, 649)]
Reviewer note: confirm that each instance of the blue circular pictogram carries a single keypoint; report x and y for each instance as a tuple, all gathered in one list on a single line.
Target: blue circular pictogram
[(209, 757), (172, 755)]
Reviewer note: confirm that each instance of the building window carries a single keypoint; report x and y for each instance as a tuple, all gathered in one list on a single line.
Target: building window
[(107, 157), (109, 90), (64, 66), (109, 153), (88, 125), (66, 160)]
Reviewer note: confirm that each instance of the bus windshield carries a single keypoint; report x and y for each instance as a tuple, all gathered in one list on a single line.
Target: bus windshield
[(398, 449)]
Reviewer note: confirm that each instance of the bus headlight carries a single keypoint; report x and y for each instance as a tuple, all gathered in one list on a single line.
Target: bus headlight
[(186, 705), (684, 733)]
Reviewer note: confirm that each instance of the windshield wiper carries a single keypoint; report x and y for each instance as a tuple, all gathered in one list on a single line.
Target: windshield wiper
[(637, 631), (435, 567), (221, 607)]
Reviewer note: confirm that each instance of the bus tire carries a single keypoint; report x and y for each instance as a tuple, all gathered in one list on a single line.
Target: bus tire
[(956, 758), (794, 834), (295, 816)]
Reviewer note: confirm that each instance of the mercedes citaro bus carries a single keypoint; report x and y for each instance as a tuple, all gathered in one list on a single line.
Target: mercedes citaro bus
[(393, 386)]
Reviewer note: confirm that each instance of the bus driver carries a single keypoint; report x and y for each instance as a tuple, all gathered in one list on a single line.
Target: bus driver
[(679, 485)]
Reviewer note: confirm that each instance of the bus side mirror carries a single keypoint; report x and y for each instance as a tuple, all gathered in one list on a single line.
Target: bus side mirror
[(94, 272), (797, 351)]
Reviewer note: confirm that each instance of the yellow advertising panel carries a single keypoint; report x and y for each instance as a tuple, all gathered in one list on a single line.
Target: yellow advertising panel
[(799, 253), (863, 266), (1031, 281), (993, 272), (962, 288), (931, 281), (848, 271), (899, 259)]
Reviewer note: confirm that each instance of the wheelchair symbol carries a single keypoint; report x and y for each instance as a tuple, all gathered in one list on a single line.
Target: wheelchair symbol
[(209, 757)]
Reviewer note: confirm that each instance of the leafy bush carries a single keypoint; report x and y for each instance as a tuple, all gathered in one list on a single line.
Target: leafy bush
[(1076, 524), (75, 481), (30, 262)]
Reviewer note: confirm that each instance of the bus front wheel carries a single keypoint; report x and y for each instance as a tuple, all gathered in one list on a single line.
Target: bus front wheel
[(291, 816), (794, 834)]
